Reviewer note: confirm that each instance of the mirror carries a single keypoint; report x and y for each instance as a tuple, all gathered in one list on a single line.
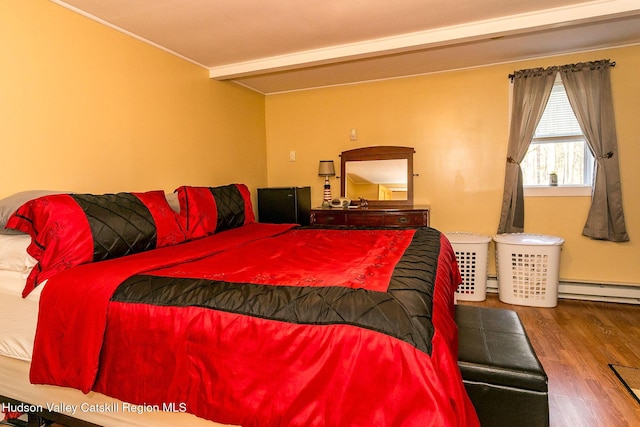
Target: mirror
[(377, 179), (382, 175)]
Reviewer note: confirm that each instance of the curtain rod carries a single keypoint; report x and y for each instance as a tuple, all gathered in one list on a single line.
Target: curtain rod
[(513, 75)]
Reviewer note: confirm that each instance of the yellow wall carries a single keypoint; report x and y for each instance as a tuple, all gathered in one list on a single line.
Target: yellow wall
[(86, 108), (458, 123)]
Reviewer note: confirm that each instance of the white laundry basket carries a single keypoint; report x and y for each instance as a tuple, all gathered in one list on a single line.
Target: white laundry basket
[(528, 267), (472, 256)]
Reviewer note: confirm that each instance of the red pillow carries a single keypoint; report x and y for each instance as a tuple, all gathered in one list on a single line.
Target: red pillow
[(208, 210), (72, 229)]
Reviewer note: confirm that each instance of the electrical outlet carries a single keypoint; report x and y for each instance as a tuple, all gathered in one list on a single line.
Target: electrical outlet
[(292, 156)]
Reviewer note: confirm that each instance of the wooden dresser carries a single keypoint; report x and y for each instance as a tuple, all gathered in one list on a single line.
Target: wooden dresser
[(409, 216)]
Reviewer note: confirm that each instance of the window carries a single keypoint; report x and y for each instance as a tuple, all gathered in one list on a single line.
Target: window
[(558, 146)]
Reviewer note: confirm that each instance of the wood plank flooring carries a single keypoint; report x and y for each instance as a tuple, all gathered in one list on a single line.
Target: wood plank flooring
[(575, 342)]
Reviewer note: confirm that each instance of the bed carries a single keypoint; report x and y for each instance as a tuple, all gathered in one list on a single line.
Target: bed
[(202, 315)]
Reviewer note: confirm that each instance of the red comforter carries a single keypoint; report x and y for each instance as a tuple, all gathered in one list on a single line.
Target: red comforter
[(266, 325)]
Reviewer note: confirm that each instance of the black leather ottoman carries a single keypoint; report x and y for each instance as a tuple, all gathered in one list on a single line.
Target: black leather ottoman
[(500, 369)]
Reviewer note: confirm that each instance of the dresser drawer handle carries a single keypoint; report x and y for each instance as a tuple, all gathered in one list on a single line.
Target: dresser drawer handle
[(403, 220)]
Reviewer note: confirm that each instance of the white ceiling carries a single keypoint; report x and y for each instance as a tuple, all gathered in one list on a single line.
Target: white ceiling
[(283, 45)]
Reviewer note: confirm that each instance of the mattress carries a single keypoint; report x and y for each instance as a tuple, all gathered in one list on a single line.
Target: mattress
[(18, 316)]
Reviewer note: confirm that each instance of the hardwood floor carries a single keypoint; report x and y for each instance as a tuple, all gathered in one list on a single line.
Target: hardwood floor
[(575, 342)]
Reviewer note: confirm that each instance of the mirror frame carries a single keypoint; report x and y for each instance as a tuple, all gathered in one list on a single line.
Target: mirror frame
[(379, 153)]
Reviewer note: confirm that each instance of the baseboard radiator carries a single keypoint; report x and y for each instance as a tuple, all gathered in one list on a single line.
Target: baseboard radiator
[(605, 292)]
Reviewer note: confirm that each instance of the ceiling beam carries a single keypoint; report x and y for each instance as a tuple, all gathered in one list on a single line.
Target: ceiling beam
[(582, 13)]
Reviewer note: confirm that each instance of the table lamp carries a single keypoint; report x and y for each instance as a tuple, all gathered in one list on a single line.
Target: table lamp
[(326, 169)]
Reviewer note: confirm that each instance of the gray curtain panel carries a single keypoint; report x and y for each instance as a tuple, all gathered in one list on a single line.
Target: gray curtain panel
[(588, 87), (531, 91)]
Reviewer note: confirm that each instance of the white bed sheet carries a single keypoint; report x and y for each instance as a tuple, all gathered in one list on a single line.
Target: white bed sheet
[(18, 316), (14, 383)]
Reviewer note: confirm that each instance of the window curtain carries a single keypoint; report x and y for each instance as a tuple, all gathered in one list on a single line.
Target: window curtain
[(531, 91), (588, 87)]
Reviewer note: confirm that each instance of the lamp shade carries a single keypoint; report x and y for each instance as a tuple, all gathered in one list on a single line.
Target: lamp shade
[(326, 168)]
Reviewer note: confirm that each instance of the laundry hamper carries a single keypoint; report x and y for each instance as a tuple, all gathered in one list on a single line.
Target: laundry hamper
[(472, 256), (528, 267)]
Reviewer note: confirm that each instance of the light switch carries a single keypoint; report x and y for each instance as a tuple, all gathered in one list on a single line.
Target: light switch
[(292, 156)]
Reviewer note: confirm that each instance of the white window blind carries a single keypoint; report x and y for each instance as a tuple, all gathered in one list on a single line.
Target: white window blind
[(558, 118), (558, 145)]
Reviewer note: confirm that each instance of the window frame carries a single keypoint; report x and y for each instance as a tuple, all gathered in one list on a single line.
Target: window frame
[(575, 190)]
